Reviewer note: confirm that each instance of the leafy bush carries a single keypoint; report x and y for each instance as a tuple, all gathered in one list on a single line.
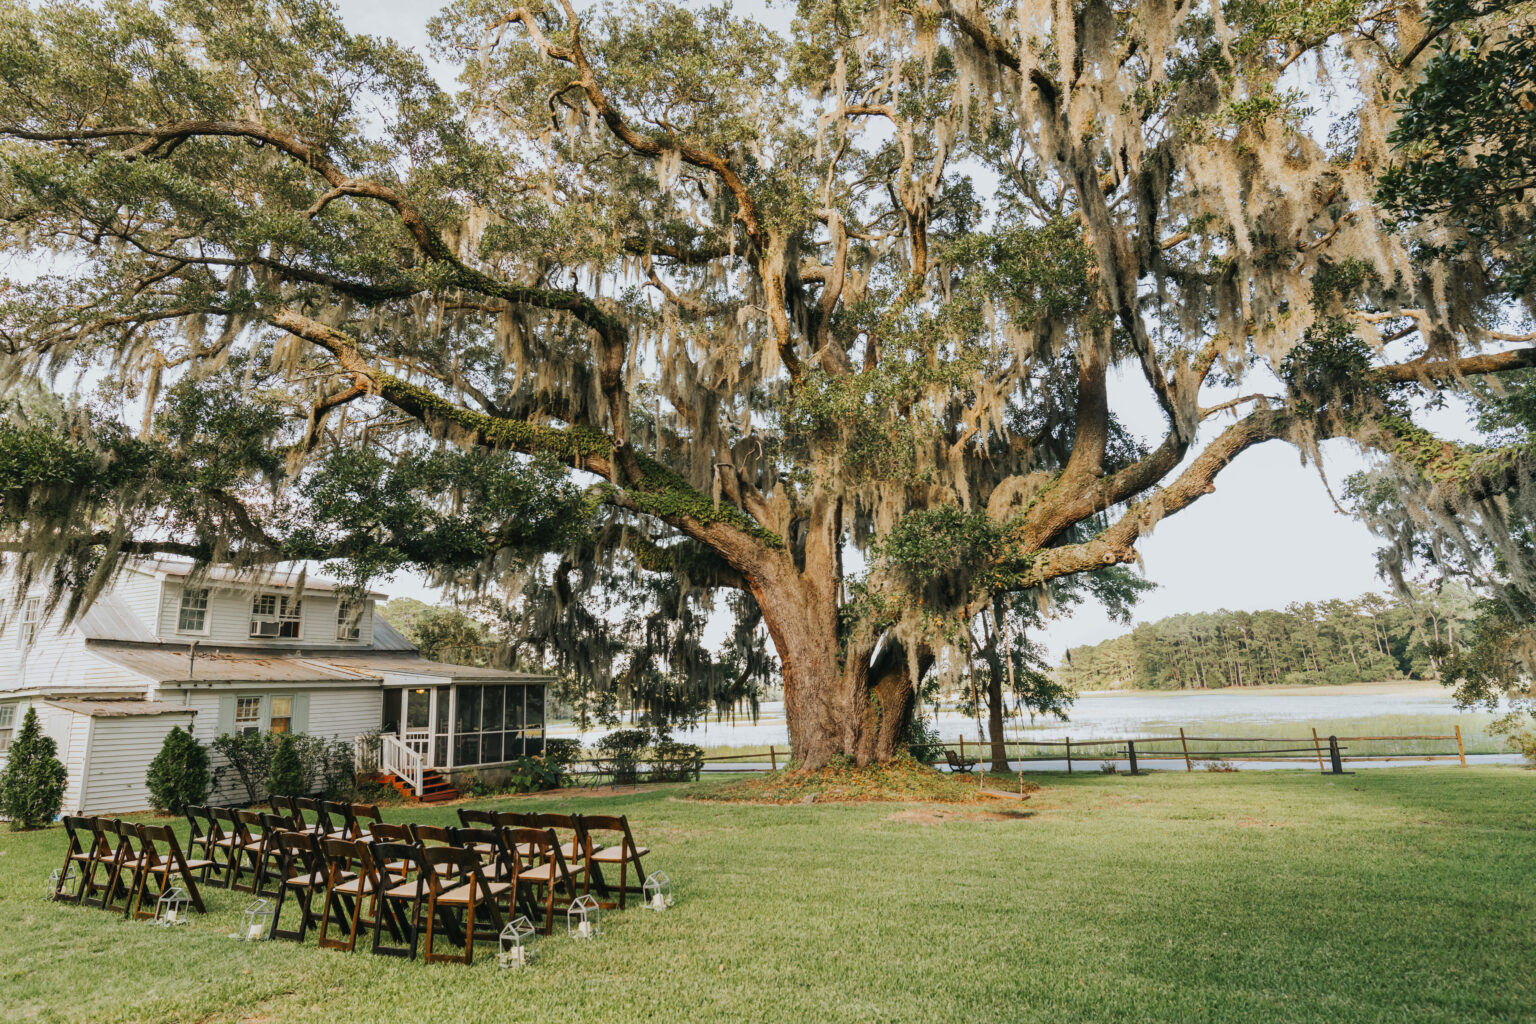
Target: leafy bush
[(673, 762), (249, 757), (562, 752), (32, 784), (620, 750), (532, 774), (287, 777), (327, 766), (178, 775)]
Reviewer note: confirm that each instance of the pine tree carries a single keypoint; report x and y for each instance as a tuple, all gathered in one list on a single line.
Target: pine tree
[(287, 778), (178, 775), (32, 784)]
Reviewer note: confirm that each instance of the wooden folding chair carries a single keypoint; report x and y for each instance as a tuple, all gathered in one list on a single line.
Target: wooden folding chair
[(302, 873), (228, 841), (302, 805), (161, 868), (470, 818), (78, 854), (517, 819), (125, 859), (623, 853), (575, 845), (199, 835), (548, 869), (342, 822), (456, 885), (401, 901), (363, 814), (488, 844), (103, 834), (273, 826), (388, 832), (351, 880)]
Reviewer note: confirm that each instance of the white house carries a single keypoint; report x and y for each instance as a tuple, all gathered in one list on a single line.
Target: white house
[(226, 652)]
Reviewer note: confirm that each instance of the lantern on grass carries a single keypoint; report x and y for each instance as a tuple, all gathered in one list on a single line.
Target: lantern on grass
[(58, 880), (172, 907), (658, 891), (516, 943), (584, 919), (256, 923)]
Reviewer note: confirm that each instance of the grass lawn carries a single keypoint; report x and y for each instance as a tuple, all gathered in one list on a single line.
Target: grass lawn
[(1257, 897)]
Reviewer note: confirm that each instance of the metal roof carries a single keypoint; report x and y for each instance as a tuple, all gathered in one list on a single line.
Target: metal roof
[(109, 618), (165, 663), (121, 708)]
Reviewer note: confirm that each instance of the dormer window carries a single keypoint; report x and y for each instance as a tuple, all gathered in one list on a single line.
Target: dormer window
[(275, 616), (193, 615), (349, 619)]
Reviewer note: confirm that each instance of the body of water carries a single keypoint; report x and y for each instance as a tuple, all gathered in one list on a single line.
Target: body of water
[(1131, 713)]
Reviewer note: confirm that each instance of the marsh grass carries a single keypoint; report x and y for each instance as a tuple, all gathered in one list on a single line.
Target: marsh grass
[(1390, 897)]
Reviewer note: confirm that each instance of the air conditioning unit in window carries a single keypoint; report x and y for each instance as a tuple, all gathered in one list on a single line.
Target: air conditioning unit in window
[(265, 627), (350, 632)]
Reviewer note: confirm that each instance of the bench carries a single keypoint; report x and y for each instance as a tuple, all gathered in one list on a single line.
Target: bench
[(958, 763)]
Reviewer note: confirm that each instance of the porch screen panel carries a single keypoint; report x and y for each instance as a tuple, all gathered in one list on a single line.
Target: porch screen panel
[(440, 741), (533, 724), (466, 725), (514, 747)]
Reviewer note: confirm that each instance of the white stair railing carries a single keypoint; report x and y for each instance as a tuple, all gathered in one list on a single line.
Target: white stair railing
[(401, 761)]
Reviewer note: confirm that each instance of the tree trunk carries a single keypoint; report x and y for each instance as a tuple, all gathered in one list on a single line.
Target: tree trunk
[(995, 712)]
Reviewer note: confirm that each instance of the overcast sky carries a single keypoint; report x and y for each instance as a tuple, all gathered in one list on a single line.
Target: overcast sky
[(1268, 536)]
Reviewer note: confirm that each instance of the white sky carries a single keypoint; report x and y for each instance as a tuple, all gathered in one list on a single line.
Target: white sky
[(1268, 536)]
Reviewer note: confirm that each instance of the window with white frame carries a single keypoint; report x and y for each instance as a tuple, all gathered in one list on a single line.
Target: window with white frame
[(349, 619), (7, 725), (247, 715), (275, 616), (31, 617), (193, 616)]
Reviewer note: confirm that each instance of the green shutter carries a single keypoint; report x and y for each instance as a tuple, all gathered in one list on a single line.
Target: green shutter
[(300, 721), (226, 714)]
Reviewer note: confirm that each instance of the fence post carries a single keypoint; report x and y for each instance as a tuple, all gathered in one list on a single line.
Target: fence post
[(1460, 750), (773, 757), (1319, 745), (1333, 755), (1130, 746), (962, 748), (1187, 766), (1069, 755)]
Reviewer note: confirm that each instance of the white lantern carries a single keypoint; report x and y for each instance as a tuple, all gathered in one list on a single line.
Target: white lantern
[(584, 919), (256, 923), (658, 891), (516, 943), (57, 881), (172, 907)]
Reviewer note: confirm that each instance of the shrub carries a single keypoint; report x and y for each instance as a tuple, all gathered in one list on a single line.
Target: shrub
[(562, 752), (620, 750), (531, 774), (327, 766), (674, 762), (32, 784), (249, 757), (178, 775), (287, 775)]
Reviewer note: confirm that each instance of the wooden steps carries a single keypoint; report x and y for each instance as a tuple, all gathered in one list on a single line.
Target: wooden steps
[(435, 789)]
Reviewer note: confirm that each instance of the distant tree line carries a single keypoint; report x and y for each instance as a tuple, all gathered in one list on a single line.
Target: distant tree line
[(1329, 642)]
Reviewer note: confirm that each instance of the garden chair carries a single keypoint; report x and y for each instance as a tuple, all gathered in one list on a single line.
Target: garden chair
[(548, 869), (301, 873), (199, 833), (401, 902), (385, 832), (575, 849), (477, 819), (488, 844), (430, 836), (229, 840), (624, 853), (456, 886), (958, 763), (363, 814), (337, 811), (126, 859), (351, 880), (162, 866), (104, 834), (273, 827), (81, 851), (304, 804)]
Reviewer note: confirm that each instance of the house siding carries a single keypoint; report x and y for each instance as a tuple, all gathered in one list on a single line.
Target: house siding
[(120, 750), (229, 618)]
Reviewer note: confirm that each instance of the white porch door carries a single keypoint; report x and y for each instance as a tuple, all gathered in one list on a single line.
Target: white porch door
[(418, 711)]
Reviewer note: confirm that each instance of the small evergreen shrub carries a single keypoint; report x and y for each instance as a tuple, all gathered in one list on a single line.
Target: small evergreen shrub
[(178, 775), (620, 751), (562, 752), (672, 761), (247, 756), (32, 784), (287, 775)]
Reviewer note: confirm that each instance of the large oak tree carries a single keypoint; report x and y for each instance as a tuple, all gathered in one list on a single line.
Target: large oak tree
[(832, 317)]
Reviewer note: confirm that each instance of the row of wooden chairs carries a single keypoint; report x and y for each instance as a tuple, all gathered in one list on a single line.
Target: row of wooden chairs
[(238, 842), (108, 859)]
